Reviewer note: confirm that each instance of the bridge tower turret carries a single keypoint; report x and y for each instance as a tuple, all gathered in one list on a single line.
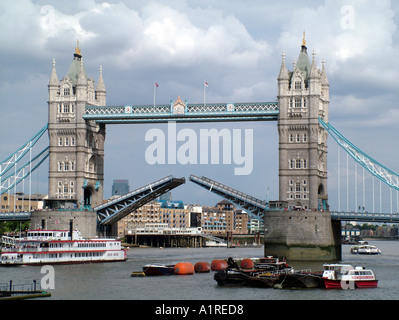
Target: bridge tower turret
[(303, 96), (76, 166)]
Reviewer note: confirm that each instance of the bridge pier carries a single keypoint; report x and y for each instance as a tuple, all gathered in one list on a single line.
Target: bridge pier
[(302, 235), (84, 221)]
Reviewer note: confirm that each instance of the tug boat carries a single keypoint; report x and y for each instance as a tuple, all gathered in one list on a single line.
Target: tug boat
[(345, 276), (41, 247)]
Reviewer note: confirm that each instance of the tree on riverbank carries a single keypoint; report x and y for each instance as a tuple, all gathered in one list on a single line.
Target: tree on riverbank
[(13, 227)]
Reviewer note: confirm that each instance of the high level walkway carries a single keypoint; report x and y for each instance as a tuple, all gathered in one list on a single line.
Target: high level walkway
[(182, 112)]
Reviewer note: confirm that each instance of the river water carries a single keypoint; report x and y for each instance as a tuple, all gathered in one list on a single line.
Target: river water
[(112, 281)]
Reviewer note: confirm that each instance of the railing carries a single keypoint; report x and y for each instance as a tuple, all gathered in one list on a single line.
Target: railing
[(238, 194), (137, 191), (364, 216), (8, 216)]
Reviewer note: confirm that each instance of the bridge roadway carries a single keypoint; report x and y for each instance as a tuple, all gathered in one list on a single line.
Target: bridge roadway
[(342, 216), (365, 217)]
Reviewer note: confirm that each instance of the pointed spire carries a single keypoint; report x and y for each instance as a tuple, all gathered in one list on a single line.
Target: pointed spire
[(324, 79), (78, 53), (283, 70), (314, 73), (100, 84), (53, 78), (82, 80)]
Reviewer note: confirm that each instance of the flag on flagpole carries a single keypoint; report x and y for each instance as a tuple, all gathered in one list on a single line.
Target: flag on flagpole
[(206, 84), (156, 85)]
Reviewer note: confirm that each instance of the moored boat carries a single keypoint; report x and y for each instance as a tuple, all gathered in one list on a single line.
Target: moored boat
[(235, 278), (345, 276), (264, 274), (158, 269), (365, 249), (41, 247)]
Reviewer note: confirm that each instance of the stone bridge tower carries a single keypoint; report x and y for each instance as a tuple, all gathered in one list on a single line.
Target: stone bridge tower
[(303, 96), (76, 166)]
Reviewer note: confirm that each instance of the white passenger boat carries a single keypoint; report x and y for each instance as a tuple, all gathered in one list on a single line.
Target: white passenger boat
[(365, 249), (58, 247), (345, 276)]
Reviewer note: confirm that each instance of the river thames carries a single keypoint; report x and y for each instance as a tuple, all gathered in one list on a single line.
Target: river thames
[(112, 281)]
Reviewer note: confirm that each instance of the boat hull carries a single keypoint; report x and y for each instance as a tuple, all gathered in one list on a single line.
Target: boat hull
[(28, 260), (241, 279), (300, 280), (158, 270), (338, 284)]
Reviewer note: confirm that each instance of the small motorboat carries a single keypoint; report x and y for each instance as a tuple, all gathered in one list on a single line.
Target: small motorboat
[(158, 269), (345, 276), (365, 249)]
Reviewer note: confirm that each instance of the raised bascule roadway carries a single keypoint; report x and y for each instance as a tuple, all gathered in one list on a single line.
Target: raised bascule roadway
[(78, 114)]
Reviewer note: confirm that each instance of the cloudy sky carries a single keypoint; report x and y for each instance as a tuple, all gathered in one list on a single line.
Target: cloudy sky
[(236, 46)]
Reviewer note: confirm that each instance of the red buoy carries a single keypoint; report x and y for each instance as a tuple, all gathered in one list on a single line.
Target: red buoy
[(202, 267), (247, 264), (183, 268), (219, 265)]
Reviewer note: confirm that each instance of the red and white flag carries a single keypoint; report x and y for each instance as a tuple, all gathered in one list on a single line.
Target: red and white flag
[(206, 84), (156, 85)]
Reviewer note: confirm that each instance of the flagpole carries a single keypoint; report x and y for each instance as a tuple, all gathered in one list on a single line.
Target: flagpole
[(204, 93), (154, 93), (205, 84)]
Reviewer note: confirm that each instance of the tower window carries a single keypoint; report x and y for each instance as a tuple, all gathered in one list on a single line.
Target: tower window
[(67, 91), (298, 85), (298, 102)]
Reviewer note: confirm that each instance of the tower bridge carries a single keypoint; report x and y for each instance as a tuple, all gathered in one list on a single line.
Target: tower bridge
[(78, 115)]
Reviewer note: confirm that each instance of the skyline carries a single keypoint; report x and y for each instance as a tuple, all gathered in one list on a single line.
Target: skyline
[(236, 49)]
